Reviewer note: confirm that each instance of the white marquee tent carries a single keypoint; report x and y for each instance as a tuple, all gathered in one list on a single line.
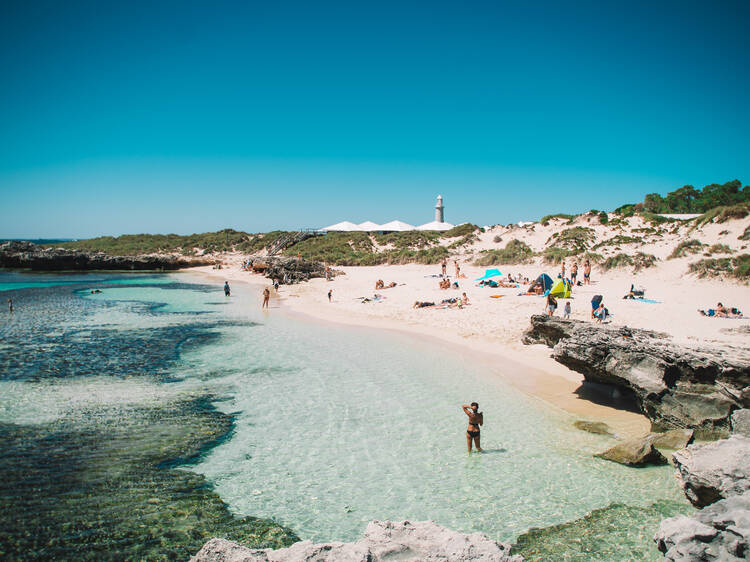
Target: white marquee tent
[(344, 226), (434, 225), (396, 226)]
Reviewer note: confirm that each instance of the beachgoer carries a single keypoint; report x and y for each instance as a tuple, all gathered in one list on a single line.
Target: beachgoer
[(10, 306), (458, 268), (551, 305), (465, 298), (574, 273), (562, 271), (566, 312), (600, 313), (586, 273), (422, 304), (330, 294), (379, 284), (226, 288), (595, 302), (476, 418), (266, 297), (721, 310), (276, 285), (444, 266), (328, 273)]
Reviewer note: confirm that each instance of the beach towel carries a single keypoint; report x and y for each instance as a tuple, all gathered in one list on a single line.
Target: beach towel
[(650, 301)]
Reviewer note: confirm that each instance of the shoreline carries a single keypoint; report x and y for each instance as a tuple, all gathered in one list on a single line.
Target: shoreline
[(529, 369)]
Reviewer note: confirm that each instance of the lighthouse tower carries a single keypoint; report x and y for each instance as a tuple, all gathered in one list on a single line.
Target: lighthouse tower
[(439, 209)]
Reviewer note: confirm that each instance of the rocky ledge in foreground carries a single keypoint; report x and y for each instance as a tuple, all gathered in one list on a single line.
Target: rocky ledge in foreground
[(675, 386), (383, 540), (30, 256), (713, 475)]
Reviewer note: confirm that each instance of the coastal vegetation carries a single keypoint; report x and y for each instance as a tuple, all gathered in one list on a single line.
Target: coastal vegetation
[(688, 199), (515, 252), (687, 247), (639, 261), (737, 267)]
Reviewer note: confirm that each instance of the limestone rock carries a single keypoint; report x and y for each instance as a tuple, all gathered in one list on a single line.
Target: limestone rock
[(383, 540), (290, 270), (674, 386), (720, 531), (673, 439), (600, 428), (634, 452), (741, 422), (713, 471), (40, 258)]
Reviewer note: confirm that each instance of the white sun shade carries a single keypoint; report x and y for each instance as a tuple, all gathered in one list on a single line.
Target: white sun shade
[(396, 226), (369, 226), (434, 225), (344, 226)]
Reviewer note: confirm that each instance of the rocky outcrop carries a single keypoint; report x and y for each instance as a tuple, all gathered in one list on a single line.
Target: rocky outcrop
[(714, 477), (741, 422), (599, 428), (30, 256), (383, 540), (634, 452), (718, 532), (292, 270), (713, 471), (673, 439), (675, 386)]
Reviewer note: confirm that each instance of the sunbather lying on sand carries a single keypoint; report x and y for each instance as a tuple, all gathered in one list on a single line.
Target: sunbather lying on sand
[(445, 284), (421, 304), (722, 311)]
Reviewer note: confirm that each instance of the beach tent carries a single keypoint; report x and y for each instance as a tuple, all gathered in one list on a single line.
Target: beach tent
[(345, 226), (434, 225), (369, 226), (489, 273), (544, 280), (396, 226), (561, 289)]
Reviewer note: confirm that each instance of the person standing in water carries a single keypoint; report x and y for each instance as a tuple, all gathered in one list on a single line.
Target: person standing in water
[(266, 296), (226, 288), (10, 306), (476, 418)]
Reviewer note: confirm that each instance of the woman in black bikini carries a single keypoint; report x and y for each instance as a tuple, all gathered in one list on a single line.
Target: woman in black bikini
[(476, 418)]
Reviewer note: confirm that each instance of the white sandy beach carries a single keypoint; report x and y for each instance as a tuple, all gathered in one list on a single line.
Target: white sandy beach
[(492, 327)]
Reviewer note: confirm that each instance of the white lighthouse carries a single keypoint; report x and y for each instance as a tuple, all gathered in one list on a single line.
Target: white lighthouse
[(439, 209)]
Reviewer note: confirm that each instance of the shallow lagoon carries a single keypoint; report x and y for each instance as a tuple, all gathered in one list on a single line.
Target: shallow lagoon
[(332, 427)]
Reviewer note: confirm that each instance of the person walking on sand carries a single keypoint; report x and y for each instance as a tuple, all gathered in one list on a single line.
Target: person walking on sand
[(574, 273), (444, 266), (476, 418), (562, 271), (266, 297), (458, 268), (566, 311), (330, 294), (551, 305), (226, 288), (586, 273)]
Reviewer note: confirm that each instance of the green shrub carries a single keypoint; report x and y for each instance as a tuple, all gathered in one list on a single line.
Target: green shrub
[(603, 218), (575, 239), (719, 249), (639, 261), (432, 255), (554, 255), (737, 267), (410, 239), (619, 260), (227, 240), (617, 240), (627, 210), (686, 247), (515, 252), (545, 219), (745, 235), (724, 213), (460, 230)]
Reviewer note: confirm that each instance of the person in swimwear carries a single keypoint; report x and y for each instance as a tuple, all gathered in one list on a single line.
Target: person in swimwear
[(476, 418), (266, 297)]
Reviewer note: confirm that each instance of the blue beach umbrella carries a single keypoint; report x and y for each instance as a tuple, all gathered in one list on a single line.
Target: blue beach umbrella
[(489, 273)]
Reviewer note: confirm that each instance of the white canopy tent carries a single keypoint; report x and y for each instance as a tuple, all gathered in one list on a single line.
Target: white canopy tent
[(369, 226), (344, 226), (396, 226), (434, 225)]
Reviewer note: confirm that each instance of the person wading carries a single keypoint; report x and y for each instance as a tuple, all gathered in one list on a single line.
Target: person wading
[(476, 418), (266, 296)]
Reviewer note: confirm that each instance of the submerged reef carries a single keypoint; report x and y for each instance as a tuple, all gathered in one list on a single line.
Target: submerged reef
[(104, 486)]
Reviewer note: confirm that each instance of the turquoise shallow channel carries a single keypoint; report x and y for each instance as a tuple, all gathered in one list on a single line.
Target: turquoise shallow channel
[(301, 429)]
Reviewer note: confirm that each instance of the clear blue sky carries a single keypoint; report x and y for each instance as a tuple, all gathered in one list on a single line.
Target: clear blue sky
[(128, 116)]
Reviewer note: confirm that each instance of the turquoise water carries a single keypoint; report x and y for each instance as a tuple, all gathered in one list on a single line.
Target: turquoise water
[(333, 426)]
